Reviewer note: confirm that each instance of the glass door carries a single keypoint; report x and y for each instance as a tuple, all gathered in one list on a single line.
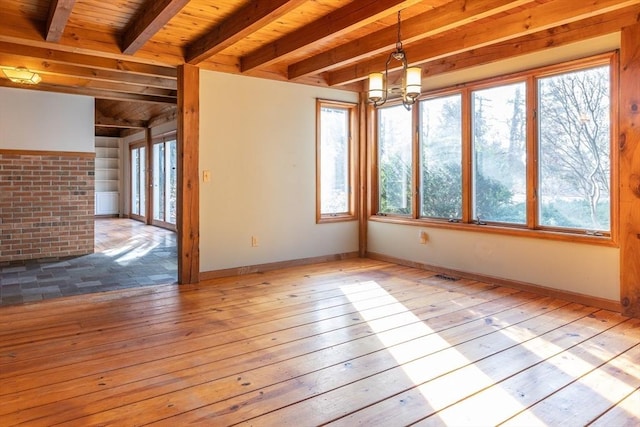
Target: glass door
[(164, 183), (138, 182)]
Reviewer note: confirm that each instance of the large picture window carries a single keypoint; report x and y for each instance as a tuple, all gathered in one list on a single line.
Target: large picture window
[(499, 154), (441, 157), (574, 143), (335, 159), (531, 153)]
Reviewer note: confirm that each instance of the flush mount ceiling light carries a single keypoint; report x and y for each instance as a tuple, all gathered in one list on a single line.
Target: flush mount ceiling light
[(22, 75), (411, 79)]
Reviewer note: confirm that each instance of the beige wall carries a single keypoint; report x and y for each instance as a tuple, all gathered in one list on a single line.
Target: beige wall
[(257, 138)]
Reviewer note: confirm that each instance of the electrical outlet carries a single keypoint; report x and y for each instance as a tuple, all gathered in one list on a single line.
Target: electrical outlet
[(254, 241), (424, 237)]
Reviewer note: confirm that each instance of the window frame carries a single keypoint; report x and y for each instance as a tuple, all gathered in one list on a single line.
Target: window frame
[(352, 167), (532, 227)]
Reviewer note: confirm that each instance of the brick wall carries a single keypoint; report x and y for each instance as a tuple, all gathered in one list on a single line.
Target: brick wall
[(46, 205)]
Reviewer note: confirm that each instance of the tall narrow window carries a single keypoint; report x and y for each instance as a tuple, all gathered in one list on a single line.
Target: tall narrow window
[(335, 161), (395, 157), (499, 154), (441, 157), (574, 133)]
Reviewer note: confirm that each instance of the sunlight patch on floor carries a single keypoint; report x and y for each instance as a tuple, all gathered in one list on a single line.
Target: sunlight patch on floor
[(419, 368), (130, 252)]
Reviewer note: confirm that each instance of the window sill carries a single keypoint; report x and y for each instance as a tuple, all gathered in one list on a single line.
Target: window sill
[(518, 231), (335, 218)]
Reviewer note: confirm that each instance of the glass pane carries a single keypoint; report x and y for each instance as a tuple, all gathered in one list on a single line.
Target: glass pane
[(334, 160), (135, 182), (158, 181), (394, 151), (574, 149), (172, 182), (143, 181), (441, 157), (499, 154)]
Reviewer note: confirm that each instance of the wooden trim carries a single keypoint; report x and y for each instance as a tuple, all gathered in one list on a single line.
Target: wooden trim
[(495, 228), (81, 154), (188, 220), (528, 287), (467, 156), (352, 109), (260, 268), (629, 143)]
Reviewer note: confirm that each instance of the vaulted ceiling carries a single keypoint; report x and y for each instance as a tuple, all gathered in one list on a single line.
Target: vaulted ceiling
[(125, 52)]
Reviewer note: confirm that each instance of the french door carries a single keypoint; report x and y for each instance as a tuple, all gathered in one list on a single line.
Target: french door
[(138, 182), (164, 172), (154, 182)]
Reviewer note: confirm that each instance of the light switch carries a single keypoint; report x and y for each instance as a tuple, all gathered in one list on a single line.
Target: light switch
[(206, 176)]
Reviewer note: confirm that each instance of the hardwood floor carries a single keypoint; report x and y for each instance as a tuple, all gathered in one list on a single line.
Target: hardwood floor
[(355, 342)]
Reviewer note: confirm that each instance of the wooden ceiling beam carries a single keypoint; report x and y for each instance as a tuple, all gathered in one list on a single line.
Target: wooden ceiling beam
[(154, 16), (95, 93), (558, 36), (473, 36), (62, 69), (114, 122), (334, 25), (444, 18), (245, 21), (59, 12), (98, 62)]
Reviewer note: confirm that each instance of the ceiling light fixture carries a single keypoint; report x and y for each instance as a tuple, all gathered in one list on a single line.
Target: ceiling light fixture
[(411, 79), (22, 75)]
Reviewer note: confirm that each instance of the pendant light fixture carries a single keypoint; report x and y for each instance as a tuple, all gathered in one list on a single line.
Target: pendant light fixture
[(22, 75), (411, 79)]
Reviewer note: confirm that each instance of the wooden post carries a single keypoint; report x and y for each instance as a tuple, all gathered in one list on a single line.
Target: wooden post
[(629, 141), (363, 181), (188, 218)]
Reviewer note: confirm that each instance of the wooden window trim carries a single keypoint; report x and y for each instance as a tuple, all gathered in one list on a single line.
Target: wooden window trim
[(352, 213), (532, 227)]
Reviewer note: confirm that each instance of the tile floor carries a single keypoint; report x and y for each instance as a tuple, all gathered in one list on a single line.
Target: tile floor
[(127, 254)]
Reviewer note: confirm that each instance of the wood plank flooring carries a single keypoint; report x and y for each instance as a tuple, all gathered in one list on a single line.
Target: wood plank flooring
[(354, 342)]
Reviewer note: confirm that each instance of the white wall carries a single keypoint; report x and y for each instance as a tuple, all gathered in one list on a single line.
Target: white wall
[(257, 138), (36, 120), (581, 268)]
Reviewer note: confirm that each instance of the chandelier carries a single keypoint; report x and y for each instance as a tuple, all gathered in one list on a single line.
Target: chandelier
[(411, 79)]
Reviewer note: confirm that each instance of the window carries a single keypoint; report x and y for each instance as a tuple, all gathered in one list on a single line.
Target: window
[(574, 134), (441, 157), (394, 158), (335, 195), (499, 154), (528, 154)]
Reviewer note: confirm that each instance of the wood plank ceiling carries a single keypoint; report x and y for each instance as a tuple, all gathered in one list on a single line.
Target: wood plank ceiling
[(125, 52)]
